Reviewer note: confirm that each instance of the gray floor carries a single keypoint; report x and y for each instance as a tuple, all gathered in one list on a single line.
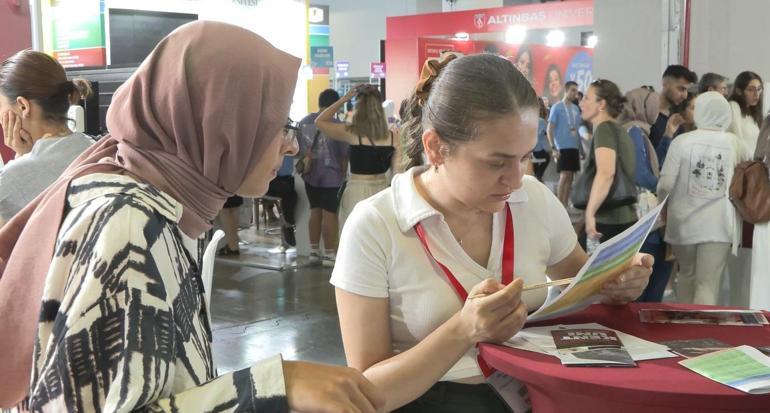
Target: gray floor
[(257, 313)]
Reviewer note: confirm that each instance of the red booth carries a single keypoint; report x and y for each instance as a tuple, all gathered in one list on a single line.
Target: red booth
[(412, 39)]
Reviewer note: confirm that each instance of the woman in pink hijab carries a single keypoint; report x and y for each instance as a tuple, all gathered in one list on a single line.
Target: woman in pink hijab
[(101, 299)]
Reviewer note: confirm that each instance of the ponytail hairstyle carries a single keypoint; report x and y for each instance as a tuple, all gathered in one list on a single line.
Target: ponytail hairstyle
[(457, 94), (41, 79), (368, 116), (608, 91)]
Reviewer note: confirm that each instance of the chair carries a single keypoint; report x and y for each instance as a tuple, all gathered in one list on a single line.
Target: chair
[(207, 270)]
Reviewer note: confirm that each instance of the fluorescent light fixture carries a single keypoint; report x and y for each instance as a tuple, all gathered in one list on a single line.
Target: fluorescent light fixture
[(515, 34), (592, 41), (555, 38), (463, 36)]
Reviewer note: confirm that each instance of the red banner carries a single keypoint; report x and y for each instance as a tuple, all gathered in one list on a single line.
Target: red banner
[(81, 57), (547, 68), (532, 16)]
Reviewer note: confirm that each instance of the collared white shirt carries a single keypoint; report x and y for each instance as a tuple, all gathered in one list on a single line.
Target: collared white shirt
[(380, 256)]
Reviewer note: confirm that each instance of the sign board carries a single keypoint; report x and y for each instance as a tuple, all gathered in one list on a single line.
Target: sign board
[(342, 68), (322, 56), (77, 39), (318, 14), (377, 70)]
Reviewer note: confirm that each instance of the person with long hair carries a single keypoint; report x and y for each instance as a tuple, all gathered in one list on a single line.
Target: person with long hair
[(373, 145), (35, 96), (541, 156), (553, 86), (471, 127), (746, 103), (102, 306), (612, 153), (525, 62)]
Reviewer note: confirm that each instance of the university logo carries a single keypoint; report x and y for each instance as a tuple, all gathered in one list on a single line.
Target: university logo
[(480, 20)]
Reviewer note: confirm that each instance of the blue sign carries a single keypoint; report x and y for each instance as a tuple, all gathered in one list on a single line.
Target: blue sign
[(321, 56), (342, 68), (580, 70)]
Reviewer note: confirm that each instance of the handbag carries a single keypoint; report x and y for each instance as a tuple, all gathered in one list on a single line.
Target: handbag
[(303, 164), (622, 192), (750, 186)]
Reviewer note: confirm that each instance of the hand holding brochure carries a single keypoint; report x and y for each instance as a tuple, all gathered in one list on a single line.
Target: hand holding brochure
[(610, 259)]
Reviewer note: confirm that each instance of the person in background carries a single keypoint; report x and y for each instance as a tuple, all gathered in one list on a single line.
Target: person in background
[(746, 104), (541, 155), (677, 80), (578, 98), (323, 180), (681, 120), (712, 82), (639, 114), (701, 222), (563, 122), (759, 284), (372, 145), (471, 127), (524, 62), (612, 154), (552, 86), (101, 303), (389, 107), (229, 219), (35, 96), (283, 187)]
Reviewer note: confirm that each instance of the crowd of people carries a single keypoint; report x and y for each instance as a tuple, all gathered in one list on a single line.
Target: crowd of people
[(101, 244)]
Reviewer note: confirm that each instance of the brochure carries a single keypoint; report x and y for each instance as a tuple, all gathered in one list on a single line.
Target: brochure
[(696, 347), (591, 347), (540, 340), (716, 317), (610, 259), (744, 368)]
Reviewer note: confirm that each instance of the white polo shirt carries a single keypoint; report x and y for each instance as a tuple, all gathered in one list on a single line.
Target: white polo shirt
[(380, 256)]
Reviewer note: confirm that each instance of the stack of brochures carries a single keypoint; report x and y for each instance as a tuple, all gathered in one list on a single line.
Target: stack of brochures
[(715, 317), (542, 340), (744, 368)]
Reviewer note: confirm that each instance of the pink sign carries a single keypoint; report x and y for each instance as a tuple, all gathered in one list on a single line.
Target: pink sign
[(377, 70)]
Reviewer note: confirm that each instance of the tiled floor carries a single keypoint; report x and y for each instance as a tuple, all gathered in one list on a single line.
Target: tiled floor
[(257, 313)]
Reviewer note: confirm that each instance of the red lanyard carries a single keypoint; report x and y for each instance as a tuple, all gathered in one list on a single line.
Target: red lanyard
[(508, 256), (507, 269)]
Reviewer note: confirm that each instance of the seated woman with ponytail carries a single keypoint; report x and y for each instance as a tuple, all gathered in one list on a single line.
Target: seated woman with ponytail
[(35, 96), (470, 224)]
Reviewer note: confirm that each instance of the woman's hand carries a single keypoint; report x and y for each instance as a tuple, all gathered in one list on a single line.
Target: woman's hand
[(629, 285), (14, 135), (493, 312), (674, 122), (322, 388), (590, 227)]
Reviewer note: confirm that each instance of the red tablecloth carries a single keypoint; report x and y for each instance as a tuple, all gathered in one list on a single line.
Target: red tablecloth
[(655, 386)]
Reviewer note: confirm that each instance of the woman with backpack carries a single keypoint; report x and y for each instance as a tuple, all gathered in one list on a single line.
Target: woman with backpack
[(759, 286)]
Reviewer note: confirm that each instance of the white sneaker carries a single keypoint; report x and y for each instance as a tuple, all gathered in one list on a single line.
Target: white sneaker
[(315, 256), (328, 261)]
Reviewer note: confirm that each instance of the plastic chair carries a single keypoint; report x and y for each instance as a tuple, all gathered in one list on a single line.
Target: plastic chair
[(207, 270)]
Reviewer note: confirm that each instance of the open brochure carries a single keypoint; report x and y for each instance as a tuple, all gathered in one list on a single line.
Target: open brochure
[(591, 347), (715, 317), (695, 347), (610, 259), (744, 368)]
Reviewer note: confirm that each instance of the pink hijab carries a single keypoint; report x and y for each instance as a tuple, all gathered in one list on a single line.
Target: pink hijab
[(194, 121)]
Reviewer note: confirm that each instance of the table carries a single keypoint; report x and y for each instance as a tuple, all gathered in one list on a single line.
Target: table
[(655, 386)]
